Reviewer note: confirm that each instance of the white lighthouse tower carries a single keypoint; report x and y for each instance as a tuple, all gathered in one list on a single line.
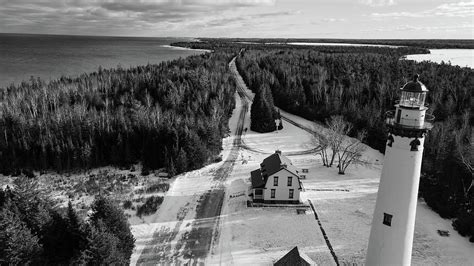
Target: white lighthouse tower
[(393, 224)]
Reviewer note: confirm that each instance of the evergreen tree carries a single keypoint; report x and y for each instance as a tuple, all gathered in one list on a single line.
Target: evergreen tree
[(262, 111), (181, 161), (102, 248), (18, 246), (106, 212), (57, 241)]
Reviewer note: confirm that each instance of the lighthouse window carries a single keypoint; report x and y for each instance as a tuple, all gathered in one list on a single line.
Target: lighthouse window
[(387, 219)]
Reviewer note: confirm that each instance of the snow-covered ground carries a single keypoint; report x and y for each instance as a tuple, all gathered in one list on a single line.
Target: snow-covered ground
[(260, 236), (344, 204), (163, 235)]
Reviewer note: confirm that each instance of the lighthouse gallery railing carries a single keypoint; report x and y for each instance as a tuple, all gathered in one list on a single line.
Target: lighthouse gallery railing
[(421, 124)]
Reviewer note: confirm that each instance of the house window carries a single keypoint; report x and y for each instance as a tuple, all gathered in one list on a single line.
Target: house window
[(292, 191), (275, 181), (289, 181), (272, 194), (387, 219)]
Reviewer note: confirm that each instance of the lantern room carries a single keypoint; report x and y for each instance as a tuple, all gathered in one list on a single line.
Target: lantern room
[(413, 94), (410, 112)]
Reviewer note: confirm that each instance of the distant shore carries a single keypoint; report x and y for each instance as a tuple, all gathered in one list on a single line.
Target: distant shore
[(184, 48)]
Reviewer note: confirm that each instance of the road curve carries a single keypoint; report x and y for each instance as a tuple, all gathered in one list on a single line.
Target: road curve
[(205, 226)]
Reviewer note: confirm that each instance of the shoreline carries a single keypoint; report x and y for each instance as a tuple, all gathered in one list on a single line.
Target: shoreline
[(185, 48), (446, 56)]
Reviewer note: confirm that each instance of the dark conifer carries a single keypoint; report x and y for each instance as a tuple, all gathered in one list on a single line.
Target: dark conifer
[(18, 245), (262, 111), (106, 212)]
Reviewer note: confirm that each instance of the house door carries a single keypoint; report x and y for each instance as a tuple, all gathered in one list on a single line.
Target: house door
[(399, 114)]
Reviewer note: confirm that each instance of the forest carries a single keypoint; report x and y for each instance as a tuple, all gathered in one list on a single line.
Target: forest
[(34, 232), (171, 115), (412, 43), (362, 87), (174, 115), (362, 84)]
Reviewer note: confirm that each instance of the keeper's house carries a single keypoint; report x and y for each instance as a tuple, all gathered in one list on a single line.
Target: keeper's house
[(277, 181)]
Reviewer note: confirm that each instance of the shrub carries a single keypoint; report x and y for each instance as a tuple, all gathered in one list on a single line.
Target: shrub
[(158, 187), (145, 171), (127, 204), (464, 224), (150, 206)]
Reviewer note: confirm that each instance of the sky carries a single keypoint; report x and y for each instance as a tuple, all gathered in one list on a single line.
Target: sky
[(368, 19)]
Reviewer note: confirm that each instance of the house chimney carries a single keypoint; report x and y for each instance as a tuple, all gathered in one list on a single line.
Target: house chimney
[(278, 151)]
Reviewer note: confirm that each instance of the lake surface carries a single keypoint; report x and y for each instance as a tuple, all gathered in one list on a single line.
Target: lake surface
[(51, 56), (459, 57)]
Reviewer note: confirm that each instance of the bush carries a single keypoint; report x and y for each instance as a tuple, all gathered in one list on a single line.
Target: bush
[(150, 206), (464, 224), (127, 204), (145, 171), (158, 187)]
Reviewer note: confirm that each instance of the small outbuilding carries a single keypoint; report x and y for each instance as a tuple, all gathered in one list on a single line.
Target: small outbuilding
[(277, 181), (295, 258)]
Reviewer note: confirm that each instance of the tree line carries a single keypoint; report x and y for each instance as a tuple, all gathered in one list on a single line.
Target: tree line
[(172, 115), (33, 232), (362, 87), (423, 43)]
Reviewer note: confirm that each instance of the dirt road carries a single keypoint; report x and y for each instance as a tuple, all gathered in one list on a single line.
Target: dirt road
[(168, 244), (194, 245), (205, 227)]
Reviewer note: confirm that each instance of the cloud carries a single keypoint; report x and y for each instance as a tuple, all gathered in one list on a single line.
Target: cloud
[(333, 19), (115, 16), (377, 3), (405, 28), (248, 19), (460, 9)]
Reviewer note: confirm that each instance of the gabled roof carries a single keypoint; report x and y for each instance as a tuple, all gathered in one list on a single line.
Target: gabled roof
[(293, 258), (269, 166), (257, 179), (275, 163)]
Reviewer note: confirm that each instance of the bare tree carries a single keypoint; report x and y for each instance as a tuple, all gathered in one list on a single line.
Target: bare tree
[(338, 129), (350, 152), (323, 144), (346, 151)]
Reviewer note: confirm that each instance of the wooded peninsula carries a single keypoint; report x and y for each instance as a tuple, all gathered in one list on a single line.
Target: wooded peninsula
[(174, 115)]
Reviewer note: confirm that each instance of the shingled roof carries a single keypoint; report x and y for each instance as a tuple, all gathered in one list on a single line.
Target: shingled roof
[(294, 258), (275, 163), (257, 179), (268, 167)]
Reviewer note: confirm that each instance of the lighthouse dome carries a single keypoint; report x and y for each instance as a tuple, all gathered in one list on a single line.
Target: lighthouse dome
[(415, 85)]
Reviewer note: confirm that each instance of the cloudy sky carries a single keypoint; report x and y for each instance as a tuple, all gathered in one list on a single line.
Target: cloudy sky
[(242, 18)]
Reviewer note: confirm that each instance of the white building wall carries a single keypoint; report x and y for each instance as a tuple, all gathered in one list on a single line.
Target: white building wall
[(282, 190), (397, 195)]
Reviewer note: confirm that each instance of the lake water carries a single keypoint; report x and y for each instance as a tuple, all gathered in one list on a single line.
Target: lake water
[(51, 56), (459, 57)]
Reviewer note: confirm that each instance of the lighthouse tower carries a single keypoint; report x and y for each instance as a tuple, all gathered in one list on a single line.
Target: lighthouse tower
[(393, 224)]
